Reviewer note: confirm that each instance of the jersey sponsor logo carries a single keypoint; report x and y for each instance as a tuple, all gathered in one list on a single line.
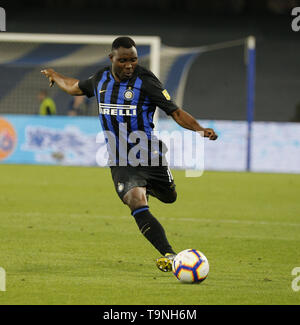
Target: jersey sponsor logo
[(166, 94), (117, 109), (128, 94), (8, 138), (102, 91)]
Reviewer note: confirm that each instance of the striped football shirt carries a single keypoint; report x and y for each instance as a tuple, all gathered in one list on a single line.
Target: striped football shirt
[(126, 110)]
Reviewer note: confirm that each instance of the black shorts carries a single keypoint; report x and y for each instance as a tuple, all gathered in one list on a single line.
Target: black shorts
[(158, 181)]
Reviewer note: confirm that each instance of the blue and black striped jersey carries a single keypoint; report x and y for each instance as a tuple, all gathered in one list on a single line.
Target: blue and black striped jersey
[(127, 104)]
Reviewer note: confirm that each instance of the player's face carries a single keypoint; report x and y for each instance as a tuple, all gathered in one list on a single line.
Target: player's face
[(124, 62)]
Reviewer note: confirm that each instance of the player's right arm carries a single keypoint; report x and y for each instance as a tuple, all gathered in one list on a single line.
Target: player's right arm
[(69, 85)]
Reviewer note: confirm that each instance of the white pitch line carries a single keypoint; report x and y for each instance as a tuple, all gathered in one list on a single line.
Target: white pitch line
[(246, 222), (200, 220)]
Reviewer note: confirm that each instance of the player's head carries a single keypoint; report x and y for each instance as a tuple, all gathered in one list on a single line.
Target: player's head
[(123, 57)]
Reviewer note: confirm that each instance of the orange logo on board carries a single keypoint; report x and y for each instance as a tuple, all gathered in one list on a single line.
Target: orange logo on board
[(8, 139)]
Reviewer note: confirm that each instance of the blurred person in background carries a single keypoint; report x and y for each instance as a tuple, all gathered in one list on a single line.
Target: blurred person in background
[(47, 104), (79, 105)]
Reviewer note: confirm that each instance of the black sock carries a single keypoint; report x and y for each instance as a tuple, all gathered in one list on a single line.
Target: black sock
[(152, 230)]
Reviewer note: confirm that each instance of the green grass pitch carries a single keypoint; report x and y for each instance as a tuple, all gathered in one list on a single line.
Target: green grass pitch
[(66, 238)]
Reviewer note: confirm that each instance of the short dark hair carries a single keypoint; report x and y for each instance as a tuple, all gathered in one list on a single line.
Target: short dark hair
[(123, 41)]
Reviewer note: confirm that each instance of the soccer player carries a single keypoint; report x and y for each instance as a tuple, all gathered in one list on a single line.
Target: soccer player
[(127, 95)]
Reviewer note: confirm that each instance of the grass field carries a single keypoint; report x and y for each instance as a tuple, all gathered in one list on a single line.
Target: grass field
[(67, 239)]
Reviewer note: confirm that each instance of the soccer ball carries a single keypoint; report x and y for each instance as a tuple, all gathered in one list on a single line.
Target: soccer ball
[(190, 266)]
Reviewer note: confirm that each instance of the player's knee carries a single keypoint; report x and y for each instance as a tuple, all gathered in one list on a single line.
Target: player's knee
[(135, 198)]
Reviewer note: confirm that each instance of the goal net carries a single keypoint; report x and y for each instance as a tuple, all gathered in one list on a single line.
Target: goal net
[(22, 56)]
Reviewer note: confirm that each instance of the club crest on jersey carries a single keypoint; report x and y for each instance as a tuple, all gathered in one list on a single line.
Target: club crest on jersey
[(128, 94)]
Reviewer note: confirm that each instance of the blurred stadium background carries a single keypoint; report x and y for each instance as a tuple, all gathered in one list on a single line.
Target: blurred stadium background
[(210, 84)]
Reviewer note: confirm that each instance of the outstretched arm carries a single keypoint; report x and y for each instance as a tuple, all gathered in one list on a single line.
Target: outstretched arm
[(187, 121), (69, 85)]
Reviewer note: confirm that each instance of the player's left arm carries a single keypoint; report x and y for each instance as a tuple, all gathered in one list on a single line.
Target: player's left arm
[(160, 97), (187, 121)]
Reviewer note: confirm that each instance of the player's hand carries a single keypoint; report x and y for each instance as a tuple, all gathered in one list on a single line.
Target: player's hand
[(210, 133), (49, 74)]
